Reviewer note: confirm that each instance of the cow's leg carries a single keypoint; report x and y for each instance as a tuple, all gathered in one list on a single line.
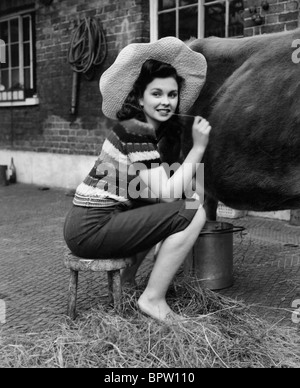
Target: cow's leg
[(210, 206)]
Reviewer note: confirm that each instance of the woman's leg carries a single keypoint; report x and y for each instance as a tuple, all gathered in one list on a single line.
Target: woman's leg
[(171, 255), (101, 233), (125, 233)]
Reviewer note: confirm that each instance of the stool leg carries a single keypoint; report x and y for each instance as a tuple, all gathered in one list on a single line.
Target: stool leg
[(73, 284), (110, 287), (114, 287)]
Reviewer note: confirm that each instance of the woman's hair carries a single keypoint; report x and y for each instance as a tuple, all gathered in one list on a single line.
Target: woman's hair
[(151, 69), (169, 131)]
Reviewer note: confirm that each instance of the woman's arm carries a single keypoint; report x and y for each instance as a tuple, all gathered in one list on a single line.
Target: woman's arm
[(171, 189)]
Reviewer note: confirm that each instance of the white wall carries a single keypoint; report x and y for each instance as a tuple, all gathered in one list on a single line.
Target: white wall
[(47, 169)]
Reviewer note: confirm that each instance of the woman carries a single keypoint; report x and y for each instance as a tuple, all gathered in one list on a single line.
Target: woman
[(144, 89)]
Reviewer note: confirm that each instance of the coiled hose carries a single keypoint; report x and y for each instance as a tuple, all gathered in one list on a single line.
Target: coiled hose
[(87, 47)]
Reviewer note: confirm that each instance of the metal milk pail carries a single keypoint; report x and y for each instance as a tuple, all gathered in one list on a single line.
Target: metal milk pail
[(211, 258)]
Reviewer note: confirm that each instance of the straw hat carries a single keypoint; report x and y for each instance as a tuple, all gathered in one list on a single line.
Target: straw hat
[(117, 81)]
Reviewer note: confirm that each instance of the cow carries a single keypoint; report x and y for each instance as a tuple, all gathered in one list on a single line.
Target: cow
[(251, 98)]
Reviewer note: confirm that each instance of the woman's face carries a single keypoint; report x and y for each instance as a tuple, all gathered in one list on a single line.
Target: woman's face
[(160, 100)]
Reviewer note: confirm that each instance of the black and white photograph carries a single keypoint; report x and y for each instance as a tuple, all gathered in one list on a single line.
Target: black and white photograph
[(149, 186)]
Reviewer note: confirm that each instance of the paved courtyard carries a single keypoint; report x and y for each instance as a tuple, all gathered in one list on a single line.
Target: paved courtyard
[(34, 282)]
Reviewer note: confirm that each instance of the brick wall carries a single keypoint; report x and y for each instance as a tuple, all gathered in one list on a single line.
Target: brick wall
[(277, 16), (50, 127)]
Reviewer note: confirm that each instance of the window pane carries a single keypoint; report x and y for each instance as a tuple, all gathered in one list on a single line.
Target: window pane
[(26, 54), (166, 4), (4, 31), (14, 30), (215, 20), (18, 35), (5, 65), (4, 78), (167, 24), (27, 78), (26, 26), (14, 55), (187, 2), (188, 23), (236, 20), (15, 79)]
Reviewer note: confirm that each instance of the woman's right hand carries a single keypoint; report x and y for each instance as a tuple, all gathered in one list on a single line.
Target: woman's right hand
[(200, 130)]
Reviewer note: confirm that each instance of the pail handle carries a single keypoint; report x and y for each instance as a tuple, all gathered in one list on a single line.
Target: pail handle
[(237, 228), (234, 229)]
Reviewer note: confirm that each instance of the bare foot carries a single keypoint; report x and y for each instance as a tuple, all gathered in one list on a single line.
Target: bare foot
[(159, 310)]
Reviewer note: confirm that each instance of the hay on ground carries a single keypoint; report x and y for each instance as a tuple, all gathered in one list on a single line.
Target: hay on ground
[(219, 333)]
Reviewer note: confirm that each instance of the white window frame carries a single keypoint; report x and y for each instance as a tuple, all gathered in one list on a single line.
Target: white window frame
[(201, 17), (17, 97)]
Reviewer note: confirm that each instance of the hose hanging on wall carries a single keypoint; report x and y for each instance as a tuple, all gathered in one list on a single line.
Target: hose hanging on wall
[(87, 49)]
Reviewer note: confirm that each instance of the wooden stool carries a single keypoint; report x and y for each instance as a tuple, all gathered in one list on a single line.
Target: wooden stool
[(111, 266)]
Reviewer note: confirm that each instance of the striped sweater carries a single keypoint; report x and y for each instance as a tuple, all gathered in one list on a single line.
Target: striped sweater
[(130, 142)]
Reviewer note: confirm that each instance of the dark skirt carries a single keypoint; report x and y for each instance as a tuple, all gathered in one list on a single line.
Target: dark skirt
[(122, 231)]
